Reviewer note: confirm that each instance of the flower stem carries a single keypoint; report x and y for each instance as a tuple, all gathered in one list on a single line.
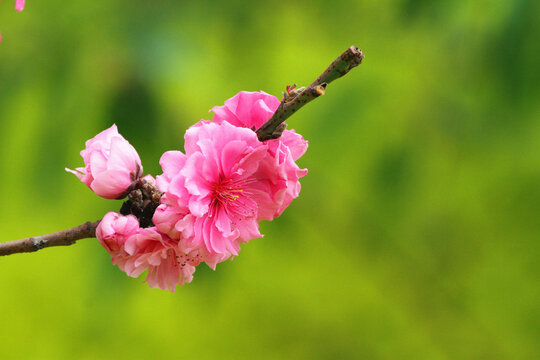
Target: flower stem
[(350, 58)]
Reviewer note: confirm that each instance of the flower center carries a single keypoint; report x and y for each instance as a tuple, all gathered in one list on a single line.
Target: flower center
[(235, 197)]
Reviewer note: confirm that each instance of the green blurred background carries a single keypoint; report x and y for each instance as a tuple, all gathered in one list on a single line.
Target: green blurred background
[(416, 232)]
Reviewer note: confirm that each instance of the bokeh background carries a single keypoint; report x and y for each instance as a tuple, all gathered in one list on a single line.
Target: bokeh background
[(416, 232)]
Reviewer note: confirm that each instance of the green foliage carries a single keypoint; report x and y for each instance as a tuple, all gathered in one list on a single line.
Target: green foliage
[(416, 232)]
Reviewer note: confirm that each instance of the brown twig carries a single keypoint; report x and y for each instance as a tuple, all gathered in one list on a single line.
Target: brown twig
[(272, 129), (60, 238)]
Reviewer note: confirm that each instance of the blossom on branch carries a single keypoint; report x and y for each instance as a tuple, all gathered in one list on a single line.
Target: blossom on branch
[(112, 165), (237, 170), (208, 201), (216, 194), (136, 249), (252, 110)]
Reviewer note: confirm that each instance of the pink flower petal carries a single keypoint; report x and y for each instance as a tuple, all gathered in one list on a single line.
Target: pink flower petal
[(19, 5)]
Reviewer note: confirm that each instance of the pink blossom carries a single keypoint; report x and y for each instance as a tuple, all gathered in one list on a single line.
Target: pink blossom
[(252, 110), (180, 225), (216, 193), (136, 249), (113, 231), (176, 222), (247, 109), (284, 153), (19, 5), (112, 165), (173, 217), (167, 266)]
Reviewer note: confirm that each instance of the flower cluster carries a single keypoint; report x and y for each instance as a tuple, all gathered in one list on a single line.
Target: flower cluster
[(209, 200)]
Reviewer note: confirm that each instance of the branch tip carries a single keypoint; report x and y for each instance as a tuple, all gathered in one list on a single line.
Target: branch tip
[(294, 99)]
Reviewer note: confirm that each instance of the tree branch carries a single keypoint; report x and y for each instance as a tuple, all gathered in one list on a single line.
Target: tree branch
[(292, 102), (60, 238)]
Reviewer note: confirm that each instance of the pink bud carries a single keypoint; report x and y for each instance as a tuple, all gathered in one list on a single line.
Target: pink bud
[(19, 5), (112, 165), (113, 231)]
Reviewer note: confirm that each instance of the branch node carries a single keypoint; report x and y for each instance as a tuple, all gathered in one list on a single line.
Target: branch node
[(38, 243)]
